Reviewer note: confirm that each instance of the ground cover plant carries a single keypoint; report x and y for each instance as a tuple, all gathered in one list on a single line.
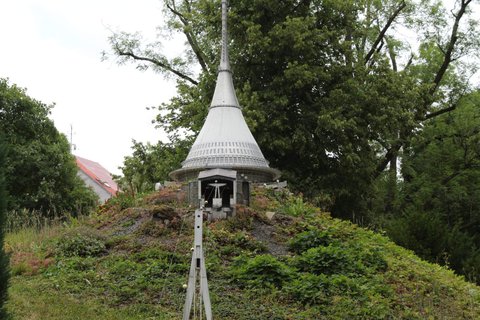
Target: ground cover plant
[(131, 260)]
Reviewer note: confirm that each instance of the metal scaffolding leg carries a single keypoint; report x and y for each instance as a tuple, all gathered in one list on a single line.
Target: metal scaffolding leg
[(198, 270)]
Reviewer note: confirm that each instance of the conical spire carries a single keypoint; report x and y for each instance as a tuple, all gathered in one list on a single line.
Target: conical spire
[(224, 95), (224, 61), (225, 140)]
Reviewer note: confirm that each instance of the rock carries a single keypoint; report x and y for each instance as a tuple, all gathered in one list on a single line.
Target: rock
[(270, 214)]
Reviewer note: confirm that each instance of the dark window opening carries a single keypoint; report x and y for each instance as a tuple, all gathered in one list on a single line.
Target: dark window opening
[(208, 191)]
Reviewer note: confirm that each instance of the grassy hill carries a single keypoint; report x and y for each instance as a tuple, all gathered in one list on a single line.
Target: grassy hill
[(131, 260)]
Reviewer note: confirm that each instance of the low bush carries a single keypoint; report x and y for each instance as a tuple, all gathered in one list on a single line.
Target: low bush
[(80, 242), (309, 239), (121, 201), (261, 271), (295, 206), (235, 243), (326, 260), (310, 288), (347, 259)]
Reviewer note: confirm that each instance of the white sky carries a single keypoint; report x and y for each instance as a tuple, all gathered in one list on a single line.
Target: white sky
[(53, 49)]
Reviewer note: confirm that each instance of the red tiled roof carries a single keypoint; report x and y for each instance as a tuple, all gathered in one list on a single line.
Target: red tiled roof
[(98, 174)]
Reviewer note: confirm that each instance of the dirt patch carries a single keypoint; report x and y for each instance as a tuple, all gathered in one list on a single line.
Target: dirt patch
[(266, 234)]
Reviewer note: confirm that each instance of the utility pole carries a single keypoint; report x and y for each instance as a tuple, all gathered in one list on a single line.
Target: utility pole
[(72, 145)]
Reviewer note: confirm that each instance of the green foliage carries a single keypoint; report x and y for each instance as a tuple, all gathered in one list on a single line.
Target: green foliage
[(122, 200), (234, 243), (333, 102), (326, 260), (340, 259), (80, 243), (329, 97), (438, 208), (309, 239), (262, 271), (142, 278), (40, 171), (121, 279), (35, 298), (150, 164), (4, 260), (311, 289), (295, 206), (320, 289)]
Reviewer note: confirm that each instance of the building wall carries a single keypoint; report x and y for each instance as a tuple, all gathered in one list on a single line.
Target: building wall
[(102, 193), (253, 174)]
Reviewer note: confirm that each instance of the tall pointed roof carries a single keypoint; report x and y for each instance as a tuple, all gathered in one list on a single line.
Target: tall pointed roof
[(225, 141)]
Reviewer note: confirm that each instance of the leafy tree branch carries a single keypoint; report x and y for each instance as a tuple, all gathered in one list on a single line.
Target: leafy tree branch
[(384, 30), (192, 41)]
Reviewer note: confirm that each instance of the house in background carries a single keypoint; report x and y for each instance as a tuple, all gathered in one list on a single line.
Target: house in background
[(97, 177)]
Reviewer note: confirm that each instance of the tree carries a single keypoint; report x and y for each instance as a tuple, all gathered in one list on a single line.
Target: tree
[(330, 91), (438, 213), (40, 172), (150, 164), (4, 261)]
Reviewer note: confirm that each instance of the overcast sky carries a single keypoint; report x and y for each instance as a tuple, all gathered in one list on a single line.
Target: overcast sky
[(53, 49)]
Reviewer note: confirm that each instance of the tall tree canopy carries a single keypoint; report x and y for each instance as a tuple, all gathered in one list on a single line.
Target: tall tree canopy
[(438, 210), (331, 90), (40, 172)]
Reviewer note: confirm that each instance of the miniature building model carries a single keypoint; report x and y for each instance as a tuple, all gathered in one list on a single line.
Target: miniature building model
[(224, 142)]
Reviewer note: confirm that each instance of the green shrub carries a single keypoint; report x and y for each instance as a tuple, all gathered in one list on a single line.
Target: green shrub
[(124, 269), (318, 289), (310, 288), (343, 297), (348, 259), (433, 239), (371, 258), (295, 206), (326, 260), (122, 201), (261, 271), (235, 243), (80, 242), (157, 263), (309, 239)]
